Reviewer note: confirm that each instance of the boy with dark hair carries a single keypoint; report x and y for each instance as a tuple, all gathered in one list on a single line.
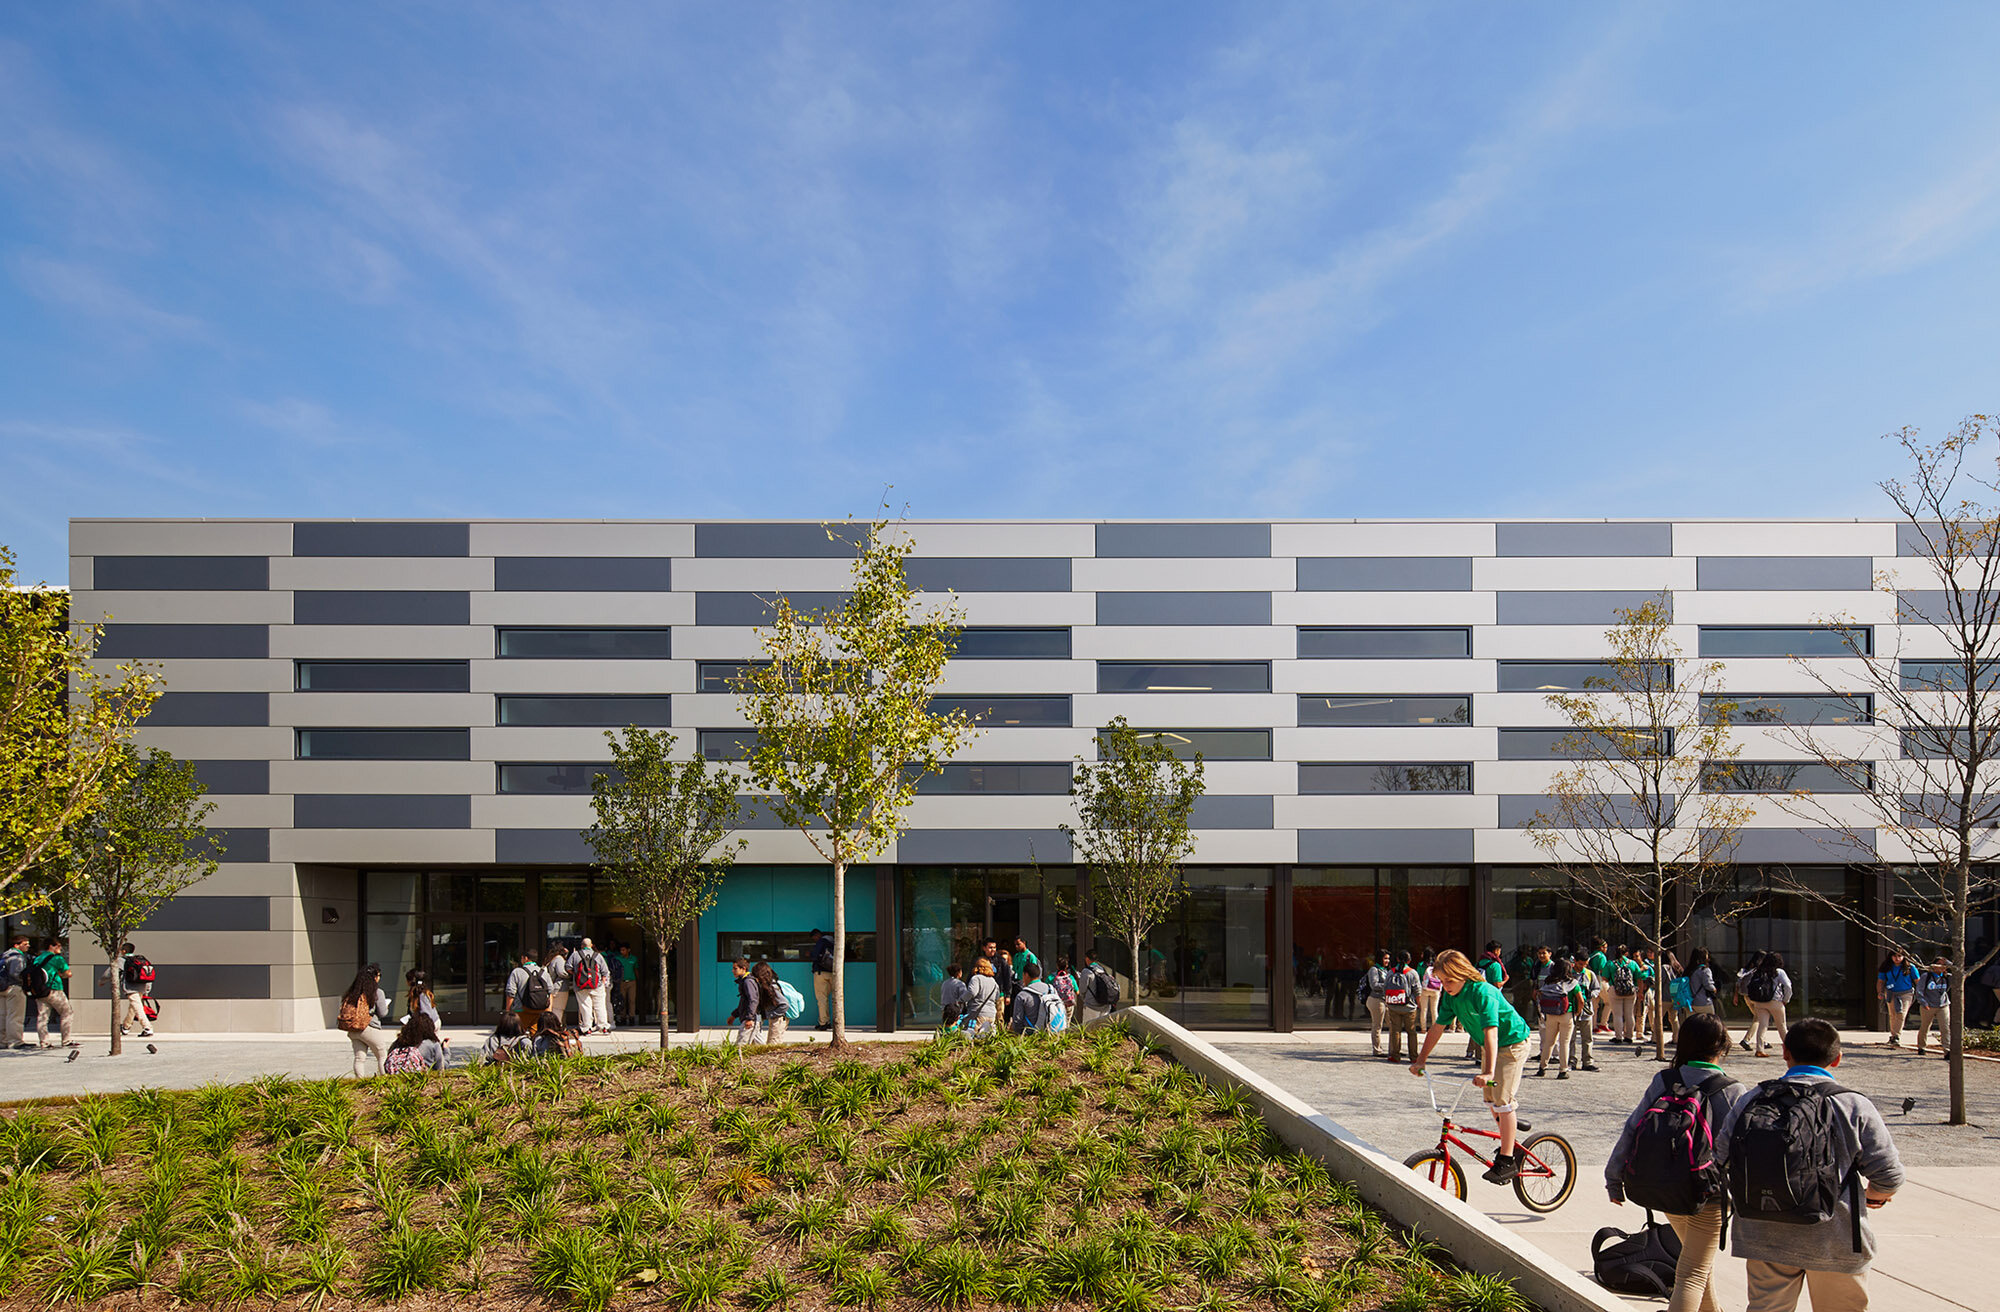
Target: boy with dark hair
[(1798, 1151), (14, 992)]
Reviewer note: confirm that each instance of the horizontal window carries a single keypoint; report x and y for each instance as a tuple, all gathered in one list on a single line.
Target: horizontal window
[(1045, 779), (586, 711), (721, 676), (1347, 777), (1374, 710), (991, 644), (560, 777), (727, 744), (1563, 744), (777, 945), (584, 644), (1008, 712), (1936, 742), (385, 744), (1377, 643), (1183, 676), (383, 676), (1945, 676), (1746, 709), (1562, 676), (1785, 777), (1215, 744), (1801, 640)]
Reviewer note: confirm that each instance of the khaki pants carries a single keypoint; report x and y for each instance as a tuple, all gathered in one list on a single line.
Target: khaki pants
[(13, 1012), (1775, 1288), (57, 1005), (1765, 1015), (1555, 1038), (1940, 1017), (1427, 1009), (1700, 1235), (1375, 1010), (1580, 1045), (1399, 1023), (1899, 1011), (132, 1011), (823, 994), (1602, 1008), (369, 1043), (1622, 1018)]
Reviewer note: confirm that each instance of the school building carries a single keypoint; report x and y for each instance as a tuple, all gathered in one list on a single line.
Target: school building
[(399, 722)]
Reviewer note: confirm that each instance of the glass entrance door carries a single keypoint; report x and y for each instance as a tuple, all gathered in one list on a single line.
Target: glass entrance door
[(499, 952), (450, 944)]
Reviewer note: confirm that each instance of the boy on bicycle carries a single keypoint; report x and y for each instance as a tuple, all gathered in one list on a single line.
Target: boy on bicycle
[(1500, 1039)]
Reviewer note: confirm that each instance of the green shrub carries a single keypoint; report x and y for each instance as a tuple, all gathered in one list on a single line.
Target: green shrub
[(950, 1276), (405, 1261)]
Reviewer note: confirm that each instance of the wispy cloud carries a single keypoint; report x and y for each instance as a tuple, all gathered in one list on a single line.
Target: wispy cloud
[(85, 290)]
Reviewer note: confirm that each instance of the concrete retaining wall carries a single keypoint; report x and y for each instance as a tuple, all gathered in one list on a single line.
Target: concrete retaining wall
[(1473, 1239)]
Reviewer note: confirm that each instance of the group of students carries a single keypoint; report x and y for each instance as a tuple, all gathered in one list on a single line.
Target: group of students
[(538, 988), (41, 981), (1009, 986), (418, 1043)]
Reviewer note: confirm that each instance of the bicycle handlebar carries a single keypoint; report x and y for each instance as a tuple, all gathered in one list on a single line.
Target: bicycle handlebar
[(1430, 1090)]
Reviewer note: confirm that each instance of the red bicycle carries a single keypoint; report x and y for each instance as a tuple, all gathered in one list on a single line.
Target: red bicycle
[(1548, 1163)]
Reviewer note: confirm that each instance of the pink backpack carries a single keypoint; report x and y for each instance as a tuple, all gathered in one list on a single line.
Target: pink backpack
[(401, 1060)]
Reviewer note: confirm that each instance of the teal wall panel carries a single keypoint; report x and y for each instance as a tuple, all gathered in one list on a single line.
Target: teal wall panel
[(787, 899)]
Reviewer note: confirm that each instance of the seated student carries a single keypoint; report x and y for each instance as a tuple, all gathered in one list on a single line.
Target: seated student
[(554, 1039), (417, 1047), (507, 1043)]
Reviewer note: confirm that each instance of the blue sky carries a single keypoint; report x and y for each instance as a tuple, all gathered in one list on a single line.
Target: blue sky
[(1026, 259)]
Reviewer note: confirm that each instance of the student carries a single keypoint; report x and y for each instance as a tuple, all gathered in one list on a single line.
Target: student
[(528, 994), (590, 980), (1701, 983), (1023, 956), (1589, 988), (1622, 975), (1743, 973), (1600, 967), (1896, 986), (14, 993), (556, 967), (1768, 989), (1642, 1011), (1096, 987), (1502, 1039), (771, 1002), (1830, 1255), (506, 1043), (1373, 982), (55, 971), (1699, 1048), (951, 998), (137, 974), (1491, 966), (982, 1000), (1400, 992), (1558, 1000), (749, 1003), (417, 1047), (822, 959), (1003, 969), (1031, 1006), (1433, 989), (361, 1006), (625, 970), (1934, 999), (420, 999)]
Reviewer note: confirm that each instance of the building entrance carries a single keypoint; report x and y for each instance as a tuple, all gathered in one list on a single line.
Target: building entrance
[(1009, 917)]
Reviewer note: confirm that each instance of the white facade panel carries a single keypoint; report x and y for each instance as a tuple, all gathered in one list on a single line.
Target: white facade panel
[(180, 537), (1250, 778), (1418, 743), (788, 847), (517, 743), (1423, 609), (976, 811), (1410, 538), (185, 675), (1199, 642), (591, 609), (1032, 745), (240, 744), (1053, 676), (1169, 574), (1737, 537), (527, 538), (383, 573), (1189, 710), (468, 777), (708, 710), (1388, 811), (181, 607), (1321, 677), (1248, 847), (1047, 538), (764, 576), (1019, 609), (408, 642), (361, 710), (81, 569), (1583, 573), (349, 847)]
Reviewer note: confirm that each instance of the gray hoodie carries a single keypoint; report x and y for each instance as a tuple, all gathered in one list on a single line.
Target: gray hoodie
[(1828, 1246)]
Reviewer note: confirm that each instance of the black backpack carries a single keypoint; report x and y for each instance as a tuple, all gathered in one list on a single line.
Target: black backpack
[(823, 957), (35, 979), (1762, 986), (1624, 979), (1641, 1263), (1671, 1165), (1103, 989), (535, 993), (1782, 1161)]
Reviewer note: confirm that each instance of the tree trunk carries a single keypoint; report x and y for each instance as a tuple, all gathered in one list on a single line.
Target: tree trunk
[(1659, 964), (1961, 904), (661, 944), (839, 953), (117, 1005), (1136, 936)]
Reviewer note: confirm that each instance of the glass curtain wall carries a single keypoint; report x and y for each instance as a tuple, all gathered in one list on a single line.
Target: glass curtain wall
[(945, 914), (1209, 965), (1343, 915), (1829, 962)]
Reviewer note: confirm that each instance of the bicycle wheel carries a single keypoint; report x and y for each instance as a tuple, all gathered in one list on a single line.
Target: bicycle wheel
[(1439, 1170), (1548, 1173)]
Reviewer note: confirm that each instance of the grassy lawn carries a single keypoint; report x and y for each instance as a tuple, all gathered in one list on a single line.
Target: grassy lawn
[(1071, 1172)]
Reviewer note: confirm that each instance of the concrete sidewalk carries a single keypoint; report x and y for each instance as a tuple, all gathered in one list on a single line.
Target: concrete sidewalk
[(1938, 1238)]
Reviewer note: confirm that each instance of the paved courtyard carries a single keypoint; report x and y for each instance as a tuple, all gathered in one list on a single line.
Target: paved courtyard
[(1950, 1208)]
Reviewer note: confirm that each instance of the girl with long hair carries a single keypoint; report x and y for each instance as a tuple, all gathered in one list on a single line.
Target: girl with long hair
[(361, 1007), (417, 1047), (1768, 988), (771, 1004)]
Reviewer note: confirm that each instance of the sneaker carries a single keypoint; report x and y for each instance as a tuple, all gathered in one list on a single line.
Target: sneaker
[(1562, 1075), (1895, 1042), (1588, 1066), (1542, 1072), (1504, 1168), (1744, 1044), (145, 1034)]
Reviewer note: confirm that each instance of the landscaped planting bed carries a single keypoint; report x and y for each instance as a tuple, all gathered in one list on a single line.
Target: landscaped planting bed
[(1076, 1171)]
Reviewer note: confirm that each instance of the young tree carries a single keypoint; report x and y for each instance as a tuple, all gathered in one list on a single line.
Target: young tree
[(660, 836), (1131, 832), (141, 845), (1633, 825), (842, 710), (63, 729), (1937, 685)]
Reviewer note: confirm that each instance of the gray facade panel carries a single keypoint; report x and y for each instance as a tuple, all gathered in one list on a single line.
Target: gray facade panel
[(1569, 607), (239, 845), (767, 541), (1585, 539), (1188, 540), (582, 574), (1785, 573), (751, 609), (192, 913), (1385, 574), (1929, 606), (1517, 809), (983, 846), (381, 539), (1385, 846), (235, 778), (1232, 812), (1167, 608), (556, 847), (381, 811), (382, 607), (1806, 847), (1910, 538), (181, 573), (989, 574), (220, 642), (173, 980), (210, 709)]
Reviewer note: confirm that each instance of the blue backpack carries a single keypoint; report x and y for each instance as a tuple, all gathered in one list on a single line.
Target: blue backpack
[(795, 1003)]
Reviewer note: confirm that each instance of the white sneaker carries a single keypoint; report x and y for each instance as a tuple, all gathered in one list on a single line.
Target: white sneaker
[(145, 1034)]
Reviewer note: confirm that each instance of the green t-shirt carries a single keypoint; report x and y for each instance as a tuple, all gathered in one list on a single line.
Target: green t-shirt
[(56, 967), (1599, 964), (1479, 1007), (1495, 972)]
